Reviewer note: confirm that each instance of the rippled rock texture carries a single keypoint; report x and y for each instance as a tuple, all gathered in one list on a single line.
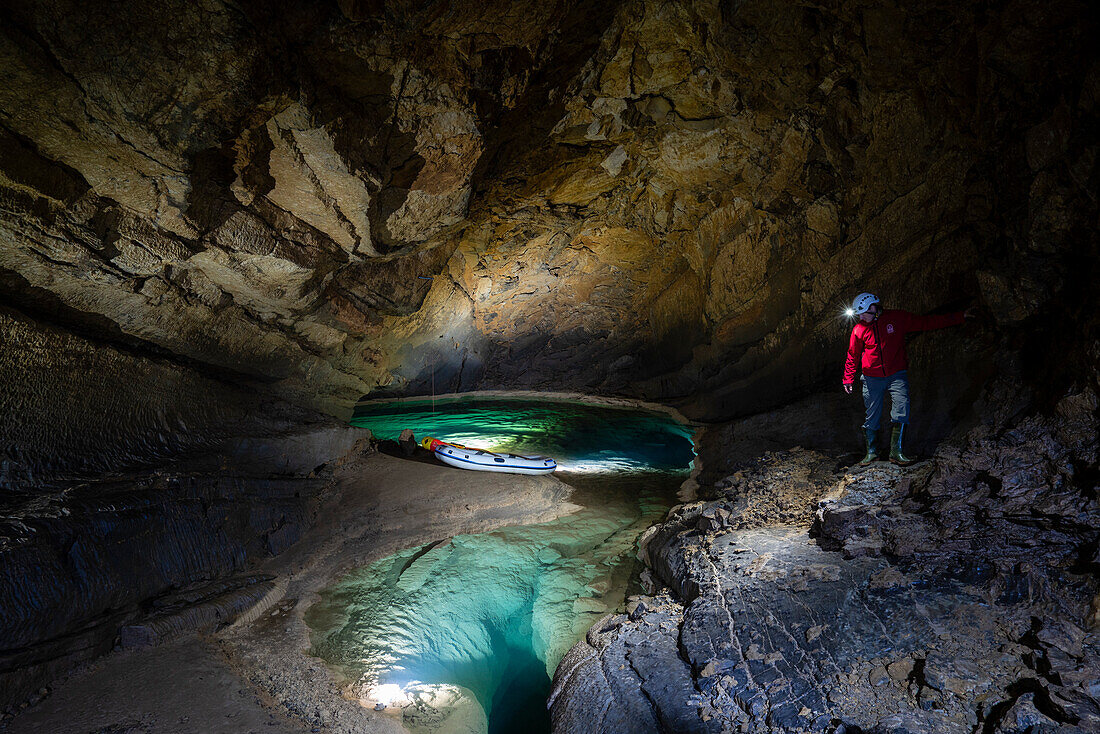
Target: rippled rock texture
[(126, 476), (135, 558), (956, 596), (669, 200)]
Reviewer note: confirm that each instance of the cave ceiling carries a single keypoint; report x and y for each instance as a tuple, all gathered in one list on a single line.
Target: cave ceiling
[(652, 199)]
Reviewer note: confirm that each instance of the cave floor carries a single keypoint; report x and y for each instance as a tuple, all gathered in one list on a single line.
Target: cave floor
[(187, 685), (257, 676)]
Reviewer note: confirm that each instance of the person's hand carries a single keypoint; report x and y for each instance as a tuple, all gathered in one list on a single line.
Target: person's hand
[(970, 313), (848, 388)]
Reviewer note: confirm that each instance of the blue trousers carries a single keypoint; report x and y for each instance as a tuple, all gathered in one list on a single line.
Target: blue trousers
[(875, 389)]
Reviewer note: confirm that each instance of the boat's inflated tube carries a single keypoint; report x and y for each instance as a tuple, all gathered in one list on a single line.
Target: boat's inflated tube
[(465, 457)]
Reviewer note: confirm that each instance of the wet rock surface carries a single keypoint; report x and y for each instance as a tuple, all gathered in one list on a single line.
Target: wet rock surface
[(385, 504), (889, 600), (251, 670)]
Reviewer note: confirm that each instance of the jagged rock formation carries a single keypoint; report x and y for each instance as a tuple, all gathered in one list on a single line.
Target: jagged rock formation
[(959, 596), (662, 200)]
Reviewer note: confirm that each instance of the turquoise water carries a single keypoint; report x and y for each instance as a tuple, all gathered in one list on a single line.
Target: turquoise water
[(582, 437), (467, 631)]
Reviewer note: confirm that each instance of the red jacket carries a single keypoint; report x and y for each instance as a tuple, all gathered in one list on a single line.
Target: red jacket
[(881, 343)]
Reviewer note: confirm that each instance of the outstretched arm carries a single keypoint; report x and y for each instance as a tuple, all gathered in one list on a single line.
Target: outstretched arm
[(928, 323)]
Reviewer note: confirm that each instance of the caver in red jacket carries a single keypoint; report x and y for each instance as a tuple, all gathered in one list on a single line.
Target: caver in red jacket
[(881, 343)]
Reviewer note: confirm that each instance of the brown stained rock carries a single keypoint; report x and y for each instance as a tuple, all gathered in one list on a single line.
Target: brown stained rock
[(768, 174), (408, 442), (1093, 619), (403, 176), (887, 578), (899, 670), (579, 185)]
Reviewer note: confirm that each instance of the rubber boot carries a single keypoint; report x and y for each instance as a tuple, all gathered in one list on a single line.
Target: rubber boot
[(872, 449), (896, 455)]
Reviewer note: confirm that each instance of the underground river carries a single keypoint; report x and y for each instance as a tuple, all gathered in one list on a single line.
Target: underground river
[(463, 634)]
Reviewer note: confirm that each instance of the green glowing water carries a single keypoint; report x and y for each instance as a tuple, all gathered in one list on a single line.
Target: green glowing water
[(581, 437), (492, 614)]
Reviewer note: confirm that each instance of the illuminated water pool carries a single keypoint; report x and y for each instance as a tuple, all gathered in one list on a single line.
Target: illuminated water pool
[(463, 634), (582, 437)]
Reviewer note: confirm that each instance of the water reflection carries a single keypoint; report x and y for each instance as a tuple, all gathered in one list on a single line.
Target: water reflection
[(469, 629), (583, 438)]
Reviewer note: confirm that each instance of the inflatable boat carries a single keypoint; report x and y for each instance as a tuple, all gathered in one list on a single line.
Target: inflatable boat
[(465, 457)]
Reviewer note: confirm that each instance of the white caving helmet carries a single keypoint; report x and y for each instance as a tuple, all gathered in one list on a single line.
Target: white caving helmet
[(862, 303)]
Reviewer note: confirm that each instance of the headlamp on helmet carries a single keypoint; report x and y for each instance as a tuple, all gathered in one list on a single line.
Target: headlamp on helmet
[(862, 304)]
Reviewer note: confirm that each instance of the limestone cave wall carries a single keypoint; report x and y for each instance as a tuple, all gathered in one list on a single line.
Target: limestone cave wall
[(666, 200), (132, 486)]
